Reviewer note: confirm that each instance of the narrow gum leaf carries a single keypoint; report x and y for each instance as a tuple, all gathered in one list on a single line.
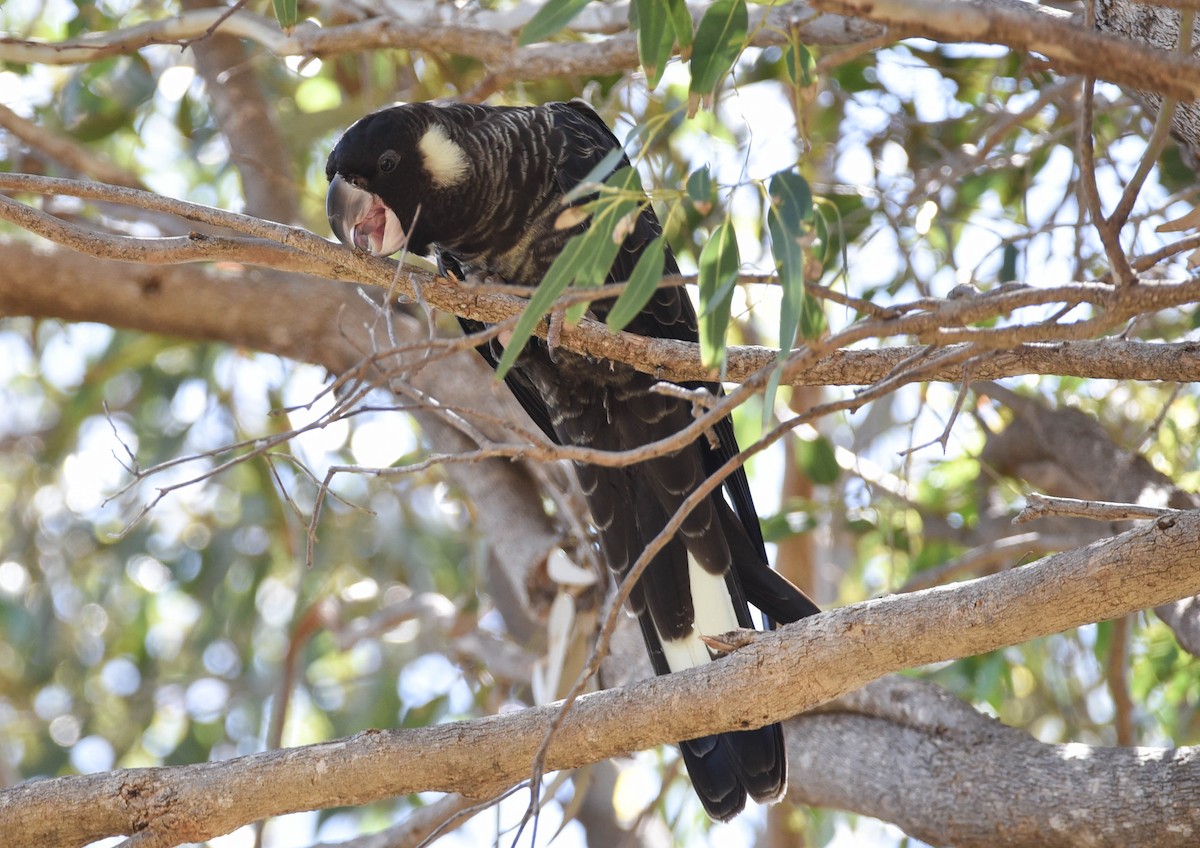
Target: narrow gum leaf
[(718, 269), (719, 40), (549, 19), (656, 38), (791, 207), (285, 13), (700, 186), (681, 23)]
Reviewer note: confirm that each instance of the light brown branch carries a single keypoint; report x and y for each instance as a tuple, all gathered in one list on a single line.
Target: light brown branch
[(839, 650), (943, 322), (482, 40), (66, 150), (1033, 28), (198, 303)]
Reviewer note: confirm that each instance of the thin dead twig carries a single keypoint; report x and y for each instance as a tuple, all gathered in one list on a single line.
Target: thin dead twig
[(1041, 506)]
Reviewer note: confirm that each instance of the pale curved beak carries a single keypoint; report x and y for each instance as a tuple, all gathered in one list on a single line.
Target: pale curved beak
[(345, 206), (360, 219)]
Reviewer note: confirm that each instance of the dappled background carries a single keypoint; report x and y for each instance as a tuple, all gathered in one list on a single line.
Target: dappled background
[(222, 620)]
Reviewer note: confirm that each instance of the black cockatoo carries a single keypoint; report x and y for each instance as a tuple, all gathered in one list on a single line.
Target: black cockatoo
[(481, 188)]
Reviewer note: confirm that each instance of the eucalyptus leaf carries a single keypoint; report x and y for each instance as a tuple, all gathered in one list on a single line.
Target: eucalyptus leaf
[(818, 460), (603, 238), (800, 64), (285, 13), (700, 189), (681, 23), (791, 207), (585, 261), (549, 19), (719, 40), (655, 38), (564, 269), (719, 264)]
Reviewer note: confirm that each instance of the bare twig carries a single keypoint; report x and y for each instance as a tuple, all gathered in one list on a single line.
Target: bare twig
[(1040, 506), (66, 150)]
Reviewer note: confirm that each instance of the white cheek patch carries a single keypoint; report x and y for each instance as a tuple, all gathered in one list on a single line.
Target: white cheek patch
[(714, 615), (445, 161)]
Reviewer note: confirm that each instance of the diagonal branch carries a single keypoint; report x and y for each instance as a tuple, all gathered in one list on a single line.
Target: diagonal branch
[(838, 651), (191, 301)]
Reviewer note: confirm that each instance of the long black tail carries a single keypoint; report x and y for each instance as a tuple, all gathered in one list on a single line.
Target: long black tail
[(726, 768)]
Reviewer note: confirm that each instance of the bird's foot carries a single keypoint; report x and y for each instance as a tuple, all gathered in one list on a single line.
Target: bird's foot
[(727, 643), (478, 279)]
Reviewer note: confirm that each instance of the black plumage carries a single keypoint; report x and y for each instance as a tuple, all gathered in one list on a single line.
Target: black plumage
[(481, 187)]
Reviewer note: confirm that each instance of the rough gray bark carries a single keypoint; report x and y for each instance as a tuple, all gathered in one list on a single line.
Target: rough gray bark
[(839, 651), (1067, 453), (972, 782), (1158, 26)]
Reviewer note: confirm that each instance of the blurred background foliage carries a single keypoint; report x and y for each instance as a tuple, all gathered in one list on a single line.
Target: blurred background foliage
[(165, 640)]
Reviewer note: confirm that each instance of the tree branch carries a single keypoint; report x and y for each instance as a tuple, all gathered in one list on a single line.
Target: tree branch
[(1039, 506), (973, 782), (484, 39), (939, 322), (838, 650), (1039, 29), (66, 150), (1016, 25)]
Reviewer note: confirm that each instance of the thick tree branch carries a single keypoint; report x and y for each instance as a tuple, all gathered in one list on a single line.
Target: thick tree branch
[(1017, 25), (1034, 28), (483, 39), (939, 322), (838, 651), (1067, 453), (239, 308), (972, 782)]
